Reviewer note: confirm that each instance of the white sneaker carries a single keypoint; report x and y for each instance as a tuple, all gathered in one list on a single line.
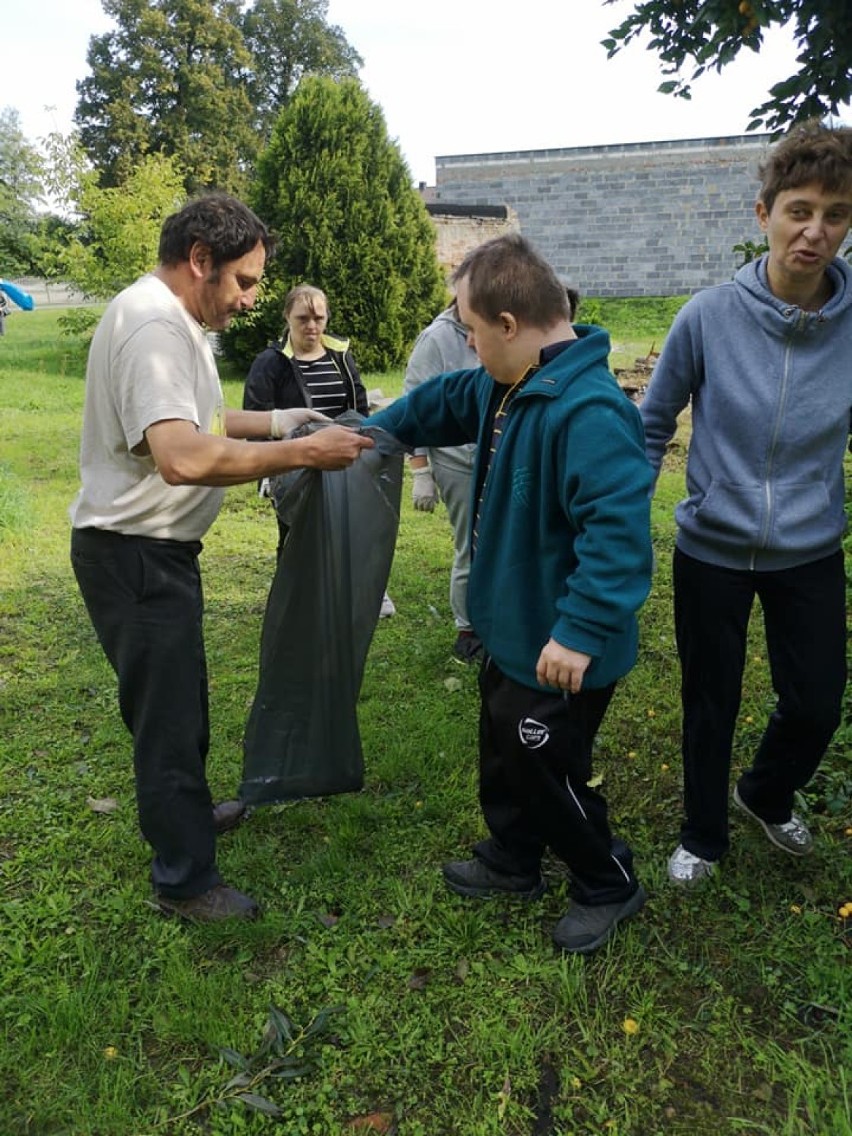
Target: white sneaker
[(685, 868), (387, 609), (792, 836)]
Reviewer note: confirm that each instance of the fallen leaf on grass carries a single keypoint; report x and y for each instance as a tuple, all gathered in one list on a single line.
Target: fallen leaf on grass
[(373, 1122), (102, 804), (503, 1098), (260, 1104)]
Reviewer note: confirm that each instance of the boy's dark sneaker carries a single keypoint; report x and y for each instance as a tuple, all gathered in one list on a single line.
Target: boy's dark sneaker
[(586, 928), (476, 880), (211, 906), (228, 814), (467, 647)]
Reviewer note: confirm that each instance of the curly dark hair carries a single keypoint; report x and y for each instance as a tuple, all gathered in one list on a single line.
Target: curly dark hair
[(227, 227)]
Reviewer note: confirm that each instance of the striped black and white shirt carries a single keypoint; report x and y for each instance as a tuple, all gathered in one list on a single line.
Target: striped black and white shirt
[(329, 393)]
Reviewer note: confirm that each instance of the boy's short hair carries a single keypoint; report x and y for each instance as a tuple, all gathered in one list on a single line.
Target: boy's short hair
[(506, 274), (810, 153), (227, 227)]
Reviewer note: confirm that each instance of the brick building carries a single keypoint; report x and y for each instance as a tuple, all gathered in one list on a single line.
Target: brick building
[(638, 219)]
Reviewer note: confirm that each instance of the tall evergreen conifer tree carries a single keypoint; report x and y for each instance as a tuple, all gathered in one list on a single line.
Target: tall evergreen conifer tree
[(338, 192)]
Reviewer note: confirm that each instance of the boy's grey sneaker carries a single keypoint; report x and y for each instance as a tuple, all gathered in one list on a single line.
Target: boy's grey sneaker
[(686, 869), (792, 836), (585, 928), (476, 880)]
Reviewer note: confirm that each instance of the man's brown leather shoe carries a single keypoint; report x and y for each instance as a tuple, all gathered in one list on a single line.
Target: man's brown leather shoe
[(211, 906), (227, 815)]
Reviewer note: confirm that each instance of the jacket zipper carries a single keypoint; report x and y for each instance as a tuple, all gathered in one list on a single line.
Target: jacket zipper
[(768, 494)]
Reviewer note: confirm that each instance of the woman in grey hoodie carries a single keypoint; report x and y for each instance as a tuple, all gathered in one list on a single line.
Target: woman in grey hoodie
[(764, 361)]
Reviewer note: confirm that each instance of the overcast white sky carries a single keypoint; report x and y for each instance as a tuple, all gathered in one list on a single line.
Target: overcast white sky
[(452, 76)]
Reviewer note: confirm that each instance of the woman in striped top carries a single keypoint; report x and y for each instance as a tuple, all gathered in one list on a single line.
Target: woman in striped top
[(307, 367)]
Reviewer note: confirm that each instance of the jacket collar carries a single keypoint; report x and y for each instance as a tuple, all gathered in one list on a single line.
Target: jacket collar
[(329, 342)]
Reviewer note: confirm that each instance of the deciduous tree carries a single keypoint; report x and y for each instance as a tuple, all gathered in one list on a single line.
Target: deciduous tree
[(21, 190), (118, 229), (288, 39), (169, 79), (201, 81), (709, 34)]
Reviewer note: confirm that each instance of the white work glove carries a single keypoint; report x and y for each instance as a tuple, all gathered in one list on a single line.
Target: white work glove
[(424, 492), (284, 422)]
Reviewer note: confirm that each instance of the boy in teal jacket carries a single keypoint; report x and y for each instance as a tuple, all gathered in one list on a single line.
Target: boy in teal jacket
[(561, 562)]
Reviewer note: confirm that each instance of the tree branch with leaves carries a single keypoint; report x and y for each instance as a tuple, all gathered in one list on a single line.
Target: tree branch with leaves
[(709, 34)]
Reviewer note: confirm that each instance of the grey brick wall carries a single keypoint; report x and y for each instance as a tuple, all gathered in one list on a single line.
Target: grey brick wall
[(640, 219)]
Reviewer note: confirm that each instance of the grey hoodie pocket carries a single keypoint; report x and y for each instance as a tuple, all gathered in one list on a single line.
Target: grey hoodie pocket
[(727, 514), (791, 516), (803, 517)]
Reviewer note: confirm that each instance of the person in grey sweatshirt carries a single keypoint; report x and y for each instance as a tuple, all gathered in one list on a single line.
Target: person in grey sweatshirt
[(765, 361), (440, 348)]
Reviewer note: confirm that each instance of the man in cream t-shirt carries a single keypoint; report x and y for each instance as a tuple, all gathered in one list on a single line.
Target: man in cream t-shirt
[(158, 449)]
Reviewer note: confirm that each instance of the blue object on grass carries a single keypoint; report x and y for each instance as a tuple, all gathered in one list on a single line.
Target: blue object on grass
[(21, 298)]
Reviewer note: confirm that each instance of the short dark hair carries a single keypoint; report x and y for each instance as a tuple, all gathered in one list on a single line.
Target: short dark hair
[(506, 274), (227, 227), (810, 153)]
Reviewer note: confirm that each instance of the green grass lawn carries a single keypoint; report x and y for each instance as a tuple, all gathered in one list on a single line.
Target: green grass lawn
[(720, 1011)]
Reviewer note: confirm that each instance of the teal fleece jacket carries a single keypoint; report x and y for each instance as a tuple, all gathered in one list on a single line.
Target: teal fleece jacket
[(563, 545)]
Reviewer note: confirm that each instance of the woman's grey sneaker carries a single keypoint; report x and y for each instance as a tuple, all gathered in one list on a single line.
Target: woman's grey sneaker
[(388, 607), (476, 880), (585, 928), (685, 868), (792, 836)]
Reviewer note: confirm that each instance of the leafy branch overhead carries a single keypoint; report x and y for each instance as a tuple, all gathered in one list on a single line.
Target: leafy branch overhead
[(710, 34)]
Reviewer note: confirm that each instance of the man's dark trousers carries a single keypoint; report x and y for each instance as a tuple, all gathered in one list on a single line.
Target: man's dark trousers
[(145, 601), (535, 762)]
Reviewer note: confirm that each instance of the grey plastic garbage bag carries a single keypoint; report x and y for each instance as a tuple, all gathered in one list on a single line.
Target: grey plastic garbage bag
[(302, 737)]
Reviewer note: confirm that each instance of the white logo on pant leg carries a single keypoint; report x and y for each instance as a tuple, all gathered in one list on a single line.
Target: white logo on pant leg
[(533, 734)]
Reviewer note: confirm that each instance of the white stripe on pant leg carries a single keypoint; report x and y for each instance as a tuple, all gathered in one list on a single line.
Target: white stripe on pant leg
[(583, 814)]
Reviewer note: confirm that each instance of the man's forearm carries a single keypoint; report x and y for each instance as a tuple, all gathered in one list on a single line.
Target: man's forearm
[(185, 456), (228, 461), (248, 423)]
